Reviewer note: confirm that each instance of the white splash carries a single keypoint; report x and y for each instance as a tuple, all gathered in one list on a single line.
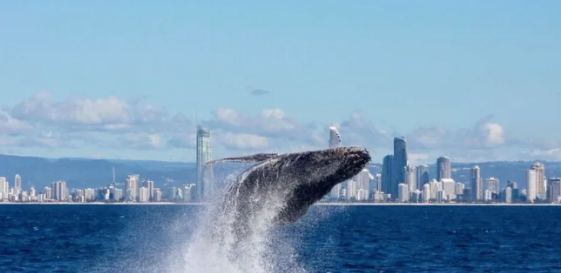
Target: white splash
[(214, 246)]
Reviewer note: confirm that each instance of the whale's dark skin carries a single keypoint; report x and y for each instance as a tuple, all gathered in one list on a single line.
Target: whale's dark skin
[(293, 182)]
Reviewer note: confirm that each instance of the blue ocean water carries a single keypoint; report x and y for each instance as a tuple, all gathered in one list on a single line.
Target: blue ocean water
[(122, 238)]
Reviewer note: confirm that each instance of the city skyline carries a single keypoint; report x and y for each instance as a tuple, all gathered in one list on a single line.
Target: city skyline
[(274, 79), (403, 183)]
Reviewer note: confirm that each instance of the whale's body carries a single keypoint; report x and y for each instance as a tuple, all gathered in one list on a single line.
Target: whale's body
[(282, 187)]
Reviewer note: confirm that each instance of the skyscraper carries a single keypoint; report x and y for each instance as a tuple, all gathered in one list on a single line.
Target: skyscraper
[(17, 185), (540, 187), (4, 188), (334, 137), (554, 189), (399, 163), (60, 191), (443, 168), (410, 177), (422, 176), (493, 185), (476, 184), (387, 177), (531, 182), (131, 187), (204, 184), (149, 184)]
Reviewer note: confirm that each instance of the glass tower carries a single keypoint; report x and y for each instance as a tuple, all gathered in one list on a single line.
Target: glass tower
[(204, 155)]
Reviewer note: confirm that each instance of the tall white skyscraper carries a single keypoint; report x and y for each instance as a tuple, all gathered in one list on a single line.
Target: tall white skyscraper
[(17, 183), (60, 191), (476, 184), (426, 192), (48, 191), (131, 187), (334, 137), (449, 188), (540, 186), (493, 185), (403, 192), (4, 188), (205, 177), (532, 183), (150, 185), (410, 177)]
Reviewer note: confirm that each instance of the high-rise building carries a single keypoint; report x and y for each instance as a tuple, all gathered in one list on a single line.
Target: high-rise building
[(426, 193), (508, 195), (205, 177), (17, 183), (144, 195), (493, 185), (476, 184), (131, 187), (459, 188), (4, 188), (399, 163), (540, 183), (531, 182), (403, 192), (60, 191), (377, 185), (554, 189), (334, 137), (150, 185), (387, 177), (48, 191), (443, 168), (449, 188), (422, 175), (410, 177)]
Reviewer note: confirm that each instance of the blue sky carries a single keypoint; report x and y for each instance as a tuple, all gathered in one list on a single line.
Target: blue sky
[(474, 80)]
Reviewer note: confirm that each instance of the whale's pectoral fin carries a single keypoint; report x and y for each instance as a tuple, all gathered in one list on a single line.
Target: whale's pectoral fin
[(245, 159)]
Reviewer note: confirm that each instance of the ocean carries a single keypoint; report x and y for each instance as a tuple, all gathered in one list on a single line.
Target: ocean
[(158, 238)]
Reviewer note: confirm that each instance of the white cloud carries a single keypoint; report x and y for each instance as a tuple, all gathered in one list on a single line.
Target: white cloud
[(142, 142), (114, 123), (242, 141), (10, 125)]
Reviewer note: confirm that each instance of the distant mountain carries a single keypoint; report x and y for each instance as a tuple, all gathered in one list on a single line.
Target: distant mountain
[(83, 173)]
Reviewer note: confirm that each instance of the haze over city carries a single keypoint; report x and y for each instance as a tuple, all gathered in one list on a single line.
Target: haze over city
[(473, 80)]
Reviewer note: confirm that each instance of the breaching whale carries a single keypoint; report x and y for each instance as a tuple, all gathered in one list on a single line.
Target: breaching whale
[(286, 185)]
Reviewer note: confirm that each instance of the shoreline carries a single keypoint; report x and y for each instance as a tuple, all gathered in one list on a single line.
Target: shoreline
[(335, 204)]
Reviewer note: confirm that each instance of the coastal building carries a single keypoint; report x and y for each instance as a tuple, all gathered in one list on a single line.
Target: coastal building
[(531, 193), (422, 176), (17, 184), (399, 163), (131, 187), (387, 177), (554, 190), (538, 180), (204, 173), (493, 185), (426, 193), (403, 193), (443, 168), (334, 137), (476, 184), (410, 177)]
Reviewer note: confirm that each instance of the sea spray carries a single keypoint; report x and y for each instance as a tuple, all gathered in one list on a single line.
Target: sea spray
[(216, 246)]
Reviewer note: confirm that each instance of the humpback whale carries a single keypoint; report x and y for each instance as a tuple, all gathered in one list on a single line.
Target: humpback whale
[(286, 185)]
